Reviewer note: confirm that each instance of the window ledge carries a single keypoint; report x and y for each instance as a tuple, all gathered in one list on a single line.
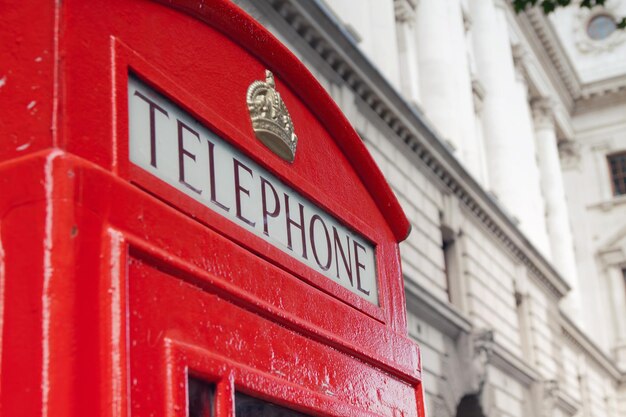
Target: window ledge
[(609, 204)]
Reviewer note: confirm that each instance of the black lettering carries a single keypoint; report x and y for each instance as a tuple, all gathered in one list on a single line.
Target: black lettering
[(239, 189), (153, 107), (274, 213), (359, 266), (300, 226), (314, 219), (339, 249), (182, 152), (212, 178)]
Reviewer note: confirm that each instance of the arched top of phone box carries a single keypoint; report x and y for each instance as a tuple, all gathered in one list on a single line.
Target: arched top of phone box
[(205, 65)]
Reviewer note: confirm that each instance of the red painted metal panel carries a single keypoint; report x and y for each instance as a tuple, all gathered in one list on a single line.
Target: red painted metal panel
[(27, 77), (115, 285)]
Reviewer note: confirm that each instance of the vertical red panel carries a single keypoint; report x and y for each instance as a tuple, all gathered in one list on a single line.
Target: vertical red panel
[(27, 76)]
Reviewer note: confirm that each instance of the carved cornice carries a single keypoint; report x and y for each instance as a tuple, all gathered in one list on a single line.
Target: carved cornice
[(434, 311), (482, 345), (579, 93), (555, 51), (418, 138), (405, 10), (611, 90), (549, 390), (513, 365), (520, 61), (478, 94), (567, 404), (467, 20), (569, 153), (543, 112), (552, 397), (578, 339), (587, 45)]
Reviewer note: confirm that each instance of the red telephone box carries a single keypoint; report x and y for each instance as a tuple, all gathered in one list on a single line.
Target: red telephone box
[(189, 225)]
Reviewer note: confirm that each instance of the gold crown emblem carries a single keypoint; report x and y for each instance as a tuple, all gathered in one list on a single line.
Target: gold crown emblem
[(270, 119)]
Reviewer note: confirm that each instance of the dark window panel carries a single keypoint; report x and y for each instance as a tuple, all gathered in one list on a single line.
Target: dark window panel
[(201, 398), (246, 406)]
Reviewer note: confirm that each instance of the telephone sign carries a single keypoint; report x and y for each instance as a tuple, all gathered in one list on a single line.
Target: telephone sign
[(167, 142)]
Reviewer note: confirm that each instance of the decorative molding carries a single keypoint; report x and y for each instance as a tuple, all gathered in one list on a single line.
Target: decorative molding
[(576, 337), (582, 40), (481, 348), (520, 62), (569, 153), (569, 405), (553, 47), (503, 4), (543, 112), (603, 92), (579, 93), (614, 256), (434, 311), (467, 20), (344, 57), (445, 318), (513, 365), (478, 94), (549, 390), (405, 10), (612, 249)]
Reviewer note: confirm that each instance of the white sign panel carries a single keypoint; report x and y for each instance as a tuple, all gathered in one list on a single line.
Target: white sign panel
[(168, 143)]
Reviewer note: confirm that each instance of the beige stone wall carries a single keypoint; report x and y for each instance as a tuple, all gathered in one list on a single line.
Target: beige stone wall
[(490, 272)]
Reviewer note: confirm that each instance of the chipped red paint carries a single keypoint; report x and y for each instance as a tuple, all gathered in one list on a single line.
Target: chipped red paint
[(115, 285)]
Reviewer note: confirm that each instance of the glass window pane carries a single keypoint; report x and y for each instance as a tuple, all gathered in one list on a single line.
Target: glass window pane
[(617, 169), (601, 27), (246, 406), (200, 397)]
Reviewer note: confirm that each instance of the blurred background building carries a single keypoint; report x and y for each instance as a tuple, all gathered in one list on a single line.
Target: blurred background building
[(504, 138)]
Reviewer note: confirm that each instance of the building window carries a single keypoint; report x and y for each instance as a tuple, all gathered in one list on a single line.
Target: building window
[(451, 254), (601, 27), (617, 168)]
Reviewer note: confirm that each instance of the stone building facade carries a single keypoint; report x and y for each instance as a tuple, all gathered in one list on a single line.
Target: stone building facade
[(501, 135)]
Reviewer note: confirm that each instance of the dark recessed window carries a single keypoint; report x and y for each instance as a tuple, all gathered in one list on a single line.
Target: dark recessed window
[(246, 406), (200, 398), (601, 27), (617, 168)]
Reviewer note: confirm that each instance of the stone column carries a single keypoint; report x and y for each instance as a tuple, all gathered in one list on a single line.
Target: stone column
[(557, 214), (508, 132), (407, 49), (617, 289), (445, 82), (535, 216)]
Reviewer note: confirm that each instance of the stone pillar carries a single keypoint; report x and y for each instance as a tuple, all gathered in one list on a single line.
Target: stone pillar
[(508, 132), (557, 214), (535, 218), (478, 156), (445, 82), (407, 49), (617, 289)]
